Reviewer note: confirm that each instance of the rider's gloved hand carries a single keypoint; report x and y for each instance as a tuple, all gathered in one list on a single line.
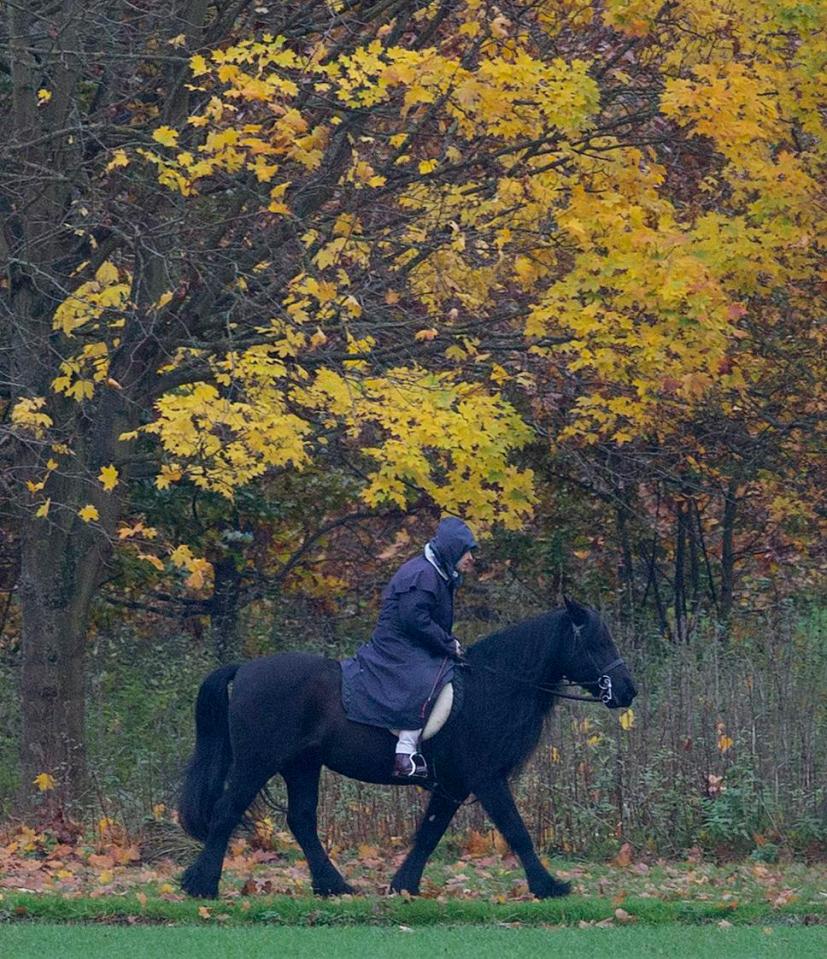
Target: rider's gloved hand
[(458, 653)]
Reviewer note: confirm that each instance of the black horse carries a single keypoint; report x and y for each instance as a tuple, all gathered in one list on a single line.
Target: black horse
[(285, 716)]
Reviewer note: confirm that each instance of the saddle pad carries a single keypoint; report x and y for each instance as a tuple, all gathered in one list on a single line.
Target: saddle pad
[(439, 714)]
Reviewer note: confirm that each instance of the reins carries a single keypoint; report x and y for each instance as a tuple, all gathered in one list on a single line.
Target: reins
[(604, 681), (552, 690)]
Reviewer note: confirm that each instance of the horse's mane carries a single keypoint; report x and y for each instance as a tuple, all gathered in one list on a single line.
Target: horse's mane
[(501, 698)]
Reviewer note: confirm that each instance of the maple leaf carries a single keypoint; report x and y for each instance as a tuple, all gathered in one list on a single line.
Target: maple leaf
[(108, 477), (44, 782), (166, 136), (627, 719), (119, 159), (317, 339), (89, 513)]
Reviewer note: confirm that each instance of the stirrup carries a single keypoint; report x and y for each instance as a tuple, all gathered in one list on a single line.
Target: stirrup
[(415, 768)]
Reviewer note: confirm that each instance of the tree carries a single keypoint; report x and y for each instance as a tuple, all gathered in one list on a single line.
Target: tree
[(237, 241)]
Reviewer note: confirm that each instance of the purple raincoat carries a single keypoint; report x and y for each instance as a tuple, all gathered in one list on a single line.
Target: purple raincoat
[(393, 680)]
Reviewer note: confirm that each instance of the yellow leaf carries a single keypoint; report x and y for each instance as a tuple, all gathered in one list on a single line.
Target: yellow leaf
[(627, 719), (152, 560), (170, 473), (44, 782), (119, 159), (108, 477), (427, 166), (166, 136), (429, 334), (43, 96), (89, 513), (724, 742), (43, 510), (198, 65), (162, 300), (182, 556), (177, 41), (200, 569)]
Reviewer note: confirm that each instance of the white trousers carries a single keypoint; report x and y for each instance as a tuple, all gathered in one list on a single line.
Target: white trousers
[(408, 741)]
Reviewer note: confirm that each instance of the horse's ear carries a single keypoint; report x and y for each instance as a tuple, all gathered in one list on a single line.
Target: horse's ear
[(578, 614)]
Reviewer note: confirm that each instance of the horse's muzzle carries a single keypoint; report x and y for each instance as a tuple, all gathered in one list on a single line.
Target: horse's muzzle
[(621, 690)]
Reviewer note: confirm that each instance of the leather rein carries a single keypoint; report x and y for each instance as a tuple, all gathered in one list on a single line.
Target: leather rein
[(604, 680)]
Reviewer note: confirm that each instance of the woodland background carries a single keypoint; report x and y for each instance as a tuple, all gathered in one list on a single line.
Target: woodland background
[(282, 282)]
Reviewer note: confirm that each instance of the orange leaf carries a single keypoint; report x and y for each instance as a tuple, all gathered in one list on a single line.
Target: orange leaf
[(429, 334), (624, 857)]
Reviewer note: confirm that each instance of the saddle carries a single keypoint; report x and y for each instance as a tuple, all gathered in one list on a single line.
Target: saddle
[(439, 714)]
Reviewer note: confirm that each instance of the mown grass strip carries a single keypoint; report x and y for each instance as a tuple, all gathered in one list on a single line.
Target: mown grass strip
[(36, 940), (309, 911)]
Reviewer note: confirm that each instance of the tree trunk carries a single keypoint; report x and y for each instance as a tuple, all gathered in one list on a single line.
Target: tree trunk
[(728, 552), (626, 573), (57, 579), (679, 587), (224, 610)]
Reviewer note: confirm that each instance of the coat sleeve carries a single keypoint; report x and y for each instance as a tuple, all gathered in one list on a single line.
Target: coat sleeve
[(416, 619)]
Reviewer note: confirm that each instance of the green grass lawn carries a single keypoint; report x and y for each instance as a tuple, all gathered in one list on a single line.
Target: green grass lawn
[(34, 941)]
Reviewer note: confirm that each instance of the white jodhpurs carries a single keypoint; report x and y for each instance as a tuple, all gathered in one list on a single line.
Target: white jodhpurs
[(408, 741)]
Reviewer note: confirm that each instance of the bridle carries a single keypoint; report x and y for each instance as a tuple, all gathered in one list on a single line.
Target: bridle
[(604, 680)]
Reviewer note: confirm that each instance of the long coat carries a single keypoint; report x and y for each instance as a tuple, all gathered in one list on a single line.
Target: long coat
[(393, 680)]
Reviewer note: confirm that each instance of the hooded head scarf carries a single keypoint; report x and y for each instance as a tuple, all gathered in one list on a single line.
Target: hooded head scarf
[(453, 539)]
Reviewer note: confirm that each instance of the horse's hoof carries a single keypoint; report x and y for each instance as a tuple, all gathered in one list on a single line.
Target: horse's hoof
[(334, 889), (412, 889), (551, 889), (196, 886)]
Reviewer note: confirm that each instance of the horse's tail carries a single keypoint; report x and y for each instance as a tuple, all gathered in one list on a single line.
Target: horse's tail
[(207, 769)]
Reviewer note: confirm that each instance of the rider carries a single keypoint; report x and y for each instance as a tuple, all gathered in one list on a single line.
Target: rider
[(393, 680)]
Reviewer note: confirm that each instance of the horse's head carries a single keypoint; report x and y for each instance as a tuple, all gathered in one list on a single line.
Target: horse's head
[(592, 660)]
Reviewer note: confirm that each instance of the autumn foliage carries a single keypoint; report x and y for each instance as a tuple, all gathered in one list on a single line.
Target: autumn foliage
[(376, 261)]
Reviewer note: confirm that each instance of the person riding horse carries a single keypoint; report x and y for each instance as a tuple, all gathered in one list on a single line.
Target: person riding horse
[(394, 679)]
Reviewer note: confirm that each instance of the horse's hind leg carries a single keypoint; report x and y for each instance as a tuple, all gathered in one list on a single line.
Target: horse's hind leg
[(302, 779), (243, 785), (439, 813)]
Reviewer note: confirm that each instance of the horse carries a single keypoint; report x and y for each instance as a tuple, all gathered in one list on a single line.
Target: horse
[(285, 716)]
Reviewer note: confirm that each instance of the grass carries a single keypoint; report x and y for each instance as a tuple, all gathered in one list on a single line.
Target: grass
[(138, 908), (27, 941)]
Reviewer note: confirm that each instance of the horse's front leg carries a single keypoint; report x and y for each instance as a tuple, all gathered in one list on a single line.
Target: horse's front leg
[(498, 802), (439, 813), (302, 779)]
